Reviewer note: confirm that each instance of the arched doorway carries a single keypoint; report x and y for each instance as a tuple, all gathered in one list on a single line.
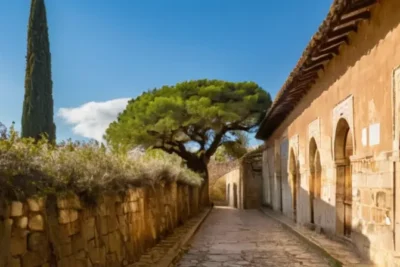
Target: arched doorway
[(343, 151), (315, 177), (294, 183)]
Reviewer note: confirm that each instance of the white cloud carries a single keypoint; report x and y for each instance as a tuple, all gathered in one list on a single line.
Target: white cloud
[(91, 119)]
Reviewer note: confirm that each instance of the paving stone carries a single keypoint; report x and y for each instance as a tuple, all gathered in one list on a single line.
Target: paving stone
[(233, 238)]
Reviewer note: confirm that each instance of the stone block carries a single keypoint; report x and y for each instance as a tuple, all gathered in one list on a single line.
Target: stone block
[(36, 223), (380, 199), (61, 234), (366, 197), (14, 262), (37, 242), (66, 262), (17, 246), (97, 256), (78, 244), (122, 219), (81, 263), (81, 260), (71, 201), (111, 260), (91, 222), (102, 225), (109, 199), (123, 229), (22, 222), (17, 209), (119, 210), (115, 244), (112, 223), (89, 228), (366, 213), (32, 259), (133, 207), (103, 210), (35, 204), (67, 216), (133, 195), (65, 250), (70, 228), (378, 215)]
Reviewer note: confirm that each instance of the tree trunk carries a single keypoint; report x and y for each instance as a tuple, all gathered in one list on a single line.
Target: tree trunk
[(200, 166)]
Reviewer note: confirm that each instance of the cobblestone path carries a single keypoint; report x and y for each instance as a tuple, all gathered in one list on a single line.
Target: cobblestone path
[(232, 237)]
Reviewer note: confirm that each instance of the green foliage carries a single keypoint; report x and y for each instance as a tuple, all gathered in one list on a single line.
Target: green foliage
[(37, 115), (29, 167), (204, 114), (233, 150)]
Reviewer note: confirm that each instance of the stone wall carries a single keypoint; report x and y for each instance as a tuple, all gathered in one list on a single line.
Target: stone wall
[(354, 105), (251, 186), (113, 232), (232, 179), (244, 184)]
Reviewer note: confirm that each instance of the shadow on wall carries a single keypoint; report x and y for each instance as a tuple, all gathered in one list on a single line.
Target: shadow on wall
[(328, 220)]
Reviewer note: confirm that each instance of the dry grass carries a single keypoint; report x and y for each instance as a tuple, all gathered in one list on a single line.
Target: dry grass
[(87, 169)]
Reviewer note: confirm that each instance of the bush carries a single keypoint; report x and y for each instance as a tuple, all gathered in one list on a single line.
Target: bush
[(86, 168)]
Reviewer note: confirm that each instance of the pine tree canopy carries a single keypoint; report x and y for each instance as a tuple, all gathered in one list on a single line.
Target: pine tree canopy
[(191, 119), (37, 115)]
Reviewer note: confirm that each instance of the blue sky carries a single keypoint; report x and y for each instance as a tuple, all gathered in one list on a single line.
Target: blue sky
[(104, 52)]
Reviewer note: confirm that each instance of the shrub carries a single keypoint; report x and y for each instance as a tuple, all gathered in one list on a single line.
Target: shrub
[(31, 168)]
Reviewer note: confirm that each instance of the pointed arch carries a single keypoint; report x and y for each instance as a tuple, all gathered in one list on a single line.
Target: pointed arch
[(343, 149)]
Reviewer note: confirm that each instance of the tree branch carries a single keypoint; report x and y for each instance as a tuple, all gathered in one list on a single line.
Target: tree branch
[(215, 144)]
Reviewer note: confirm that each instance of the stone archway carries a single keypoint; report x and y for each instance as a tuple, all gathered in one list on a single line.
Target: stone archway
[(315, 177), (294, 183), (343, 150)]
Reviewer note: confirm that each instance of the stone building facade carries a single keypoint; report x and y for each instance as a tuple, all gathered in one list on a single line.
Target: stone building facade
[(243, 184), (331, 156)]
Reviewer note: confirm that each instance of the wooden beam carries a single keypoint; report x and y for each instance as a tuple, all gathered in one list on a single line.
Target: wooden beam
[(313, 69), (304, 83), (343, 30), (295, 94), (335, 42), (300, 88), (319, 60), (331, 50), (302, 77), (359, 5), (356, 17)]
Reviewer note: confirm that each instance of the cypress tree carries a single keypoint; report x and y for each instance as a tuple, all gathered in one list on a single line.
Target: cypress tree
[(37, 115)]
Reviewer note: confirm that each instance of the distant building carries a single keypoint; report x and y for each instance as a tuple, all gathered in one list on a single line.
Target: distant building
[(332, 135)]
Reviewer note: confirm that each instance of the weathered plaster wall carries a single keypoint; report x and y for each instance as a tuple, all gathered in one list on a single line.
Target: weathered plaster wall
[(114, 232), (356, 86)]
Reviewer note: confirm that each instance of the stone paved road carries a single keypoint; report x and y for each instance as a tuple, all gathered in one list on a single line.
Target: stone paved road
[(232, 237)]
